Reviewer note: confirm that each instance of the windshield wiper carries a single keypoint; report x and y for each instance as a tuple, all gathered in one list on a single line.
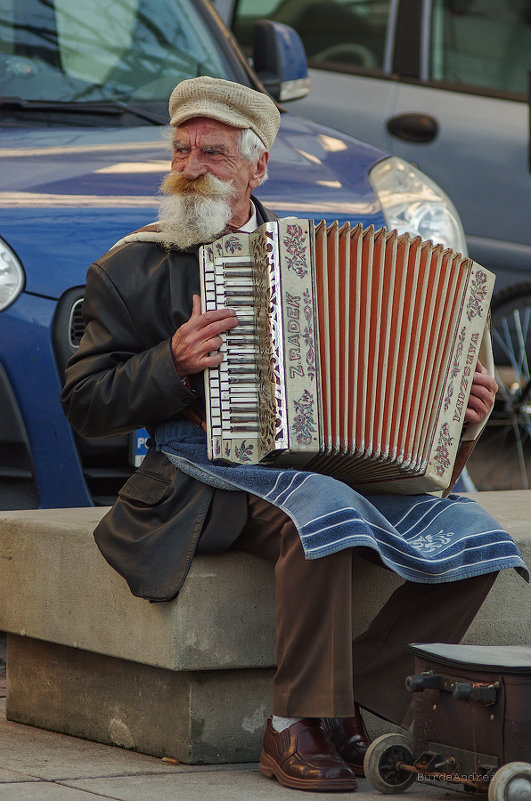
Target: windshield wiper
[(113, 108), (16, 103), (157, 119)]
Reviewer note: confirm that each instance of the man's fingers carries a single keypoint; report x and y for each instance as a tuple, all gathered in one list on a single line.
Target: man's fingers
[(203, 319), (483, 377), (214, 316), (486, 381), (213, 330), (212, 359), (210, 324), (195, 345), (479, 405), (196, 306), (214, 343), (482, 395)]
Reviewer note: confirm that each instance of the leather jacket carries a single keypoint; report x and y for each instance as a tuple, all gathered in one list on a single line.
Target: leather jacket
[(121, 378)]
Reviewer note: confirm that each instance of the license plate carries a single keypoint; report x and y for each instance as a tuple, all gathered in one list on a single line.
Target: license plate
[(138, 447)]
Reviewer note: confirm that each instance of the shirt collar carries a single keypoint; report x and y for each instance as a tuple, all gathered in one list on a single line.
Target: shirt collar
[(252, 223)]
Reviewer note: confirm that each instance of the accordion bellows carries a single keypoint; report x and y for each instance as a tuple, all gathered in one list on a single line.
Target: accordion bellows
[(354, 355)]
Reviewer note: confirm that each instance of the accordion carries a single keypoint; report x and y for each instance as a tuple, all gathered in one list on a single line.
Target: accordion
[(354, 354)]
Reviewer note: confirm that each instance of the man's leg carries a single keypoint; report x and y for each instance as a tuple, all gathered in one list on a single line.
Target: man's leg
[(313, 617), (319, 674), (414, 613), (314, 654)]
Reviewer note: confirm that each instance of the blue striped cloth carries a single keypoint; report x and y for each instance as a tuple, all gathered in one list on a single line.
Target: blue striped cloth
[(423, 538)]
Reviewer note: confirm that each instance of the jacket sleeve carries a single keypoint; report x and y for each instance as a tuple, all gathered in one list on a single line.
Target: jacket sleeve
[(113, 383)]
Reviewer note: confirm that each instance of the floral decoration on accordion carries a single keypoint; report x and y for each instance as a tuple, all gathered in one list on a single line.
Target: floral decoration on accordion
[(455, 369), (308, 334), (303, 425), (243, 454), (268, 325), (442, 455), (232, 244), (295, 244), (262, 248), (478, 294)]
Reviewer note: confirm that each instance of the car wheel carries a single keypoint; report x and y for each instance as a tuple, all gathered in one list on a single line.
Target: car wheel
[(501, 459)]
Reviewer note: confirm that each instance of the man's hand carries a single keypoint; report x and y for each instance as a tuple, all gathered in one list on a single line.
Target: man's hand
[(482, 395), (195, 344)]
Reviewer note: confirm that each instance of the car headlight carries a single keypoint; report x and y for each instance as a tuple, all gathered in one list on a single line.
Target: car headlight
[(11, 276), (414, 204)]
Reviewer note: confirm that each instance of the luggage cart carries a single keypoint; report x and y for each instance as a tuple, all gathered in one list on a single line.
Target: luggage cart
[(471, 724)]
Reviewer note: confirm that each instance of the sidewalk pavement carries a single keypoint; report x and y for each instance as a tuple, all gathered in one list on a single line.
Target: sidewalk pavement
[(38, 765)]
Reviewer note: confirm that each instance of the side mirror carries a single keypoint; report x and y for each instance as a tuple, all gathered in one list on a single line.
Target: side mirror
[(279, 60)]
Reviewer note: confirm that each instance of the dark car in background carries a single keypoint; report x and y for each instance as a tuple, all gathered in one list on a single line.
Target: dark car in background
[(83, 109), (443, 84)]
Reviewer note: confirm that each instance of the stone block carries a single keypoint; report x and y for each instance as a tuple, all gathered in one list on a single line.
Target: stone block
[(505, 617), (57, 587), (198, 717)]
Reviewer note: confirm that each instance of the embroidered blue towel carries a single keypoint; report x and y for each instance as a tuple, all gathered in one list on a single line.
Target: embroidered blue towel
[(423, 538)]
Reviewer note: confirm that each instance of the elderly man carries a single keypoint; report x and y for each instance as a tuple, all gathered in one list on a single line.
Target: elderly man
[(141, 363)]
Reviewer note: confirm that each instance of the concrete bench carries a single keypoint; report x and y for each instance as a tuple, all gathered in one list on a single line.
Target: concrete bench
[(188, 679)]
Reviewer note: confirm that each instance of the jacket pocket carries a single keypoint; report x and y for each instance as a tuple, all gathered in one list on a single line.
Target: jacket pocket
[(144, 488), (151, 482)]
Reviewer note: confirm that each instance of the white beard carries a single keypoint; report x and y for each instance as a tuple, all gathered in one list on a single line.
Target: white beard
[(190, 218)]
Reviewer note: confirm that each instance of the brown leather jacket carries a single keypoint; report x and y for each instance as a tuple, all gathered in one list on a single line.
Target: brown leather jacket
[(121, 378)]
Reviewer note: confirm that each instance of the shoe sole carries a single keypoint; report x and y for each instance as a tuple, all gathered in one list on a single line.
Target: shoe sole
[(271, 769), (357, 769)]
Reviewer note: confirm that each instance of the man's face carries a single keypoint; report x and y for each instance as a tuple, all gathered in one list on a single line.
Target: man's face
[(202, 145)]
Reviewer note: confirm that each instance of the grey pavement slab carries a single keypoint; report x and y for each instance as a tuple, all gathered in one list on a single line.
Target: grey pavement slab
[(42, 791), (38, 765), (237, 784), (40, 754)]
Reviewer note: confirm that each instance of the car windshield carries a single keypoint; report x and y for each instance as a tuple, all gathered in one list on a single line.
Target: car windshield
[(96, 51)]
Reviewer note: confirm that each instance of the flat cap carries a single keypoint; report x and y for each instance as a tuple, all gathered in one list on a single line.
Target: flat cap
[(228, 102)]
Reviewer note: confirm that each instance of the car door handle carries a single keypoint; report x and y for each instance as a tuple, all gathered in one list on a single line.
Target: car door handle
[(419, 128)]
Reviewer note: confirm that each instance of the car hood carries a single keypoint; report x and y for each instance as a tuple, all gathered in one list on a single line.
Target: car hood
[(67, 194)]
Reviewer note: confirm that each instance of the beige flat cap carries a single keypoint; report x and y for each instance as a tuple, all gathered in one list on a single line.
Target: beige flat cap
[(226, 102)]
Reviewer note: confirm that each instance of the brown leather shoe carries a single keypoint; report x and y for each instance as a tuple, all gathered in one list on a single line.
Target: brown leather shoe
[(350, 739), (302, 757)]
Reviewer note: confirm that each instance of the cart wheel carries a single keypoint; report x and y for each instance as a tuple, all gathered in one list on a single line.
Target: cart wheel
[(511, 782), (380, 763)]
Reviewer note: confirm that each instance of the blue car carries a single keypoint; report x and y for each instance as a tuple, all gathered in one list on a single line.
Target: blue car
[(84, 89)]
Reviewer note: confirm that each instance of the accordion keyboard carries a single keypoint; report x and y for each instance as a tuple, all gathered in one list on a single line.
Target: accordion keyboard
[(233, 387)]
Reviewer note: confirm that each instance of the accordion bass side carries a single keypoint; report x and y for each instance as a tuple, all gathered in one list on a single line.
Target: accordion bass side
[(354, 354)]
